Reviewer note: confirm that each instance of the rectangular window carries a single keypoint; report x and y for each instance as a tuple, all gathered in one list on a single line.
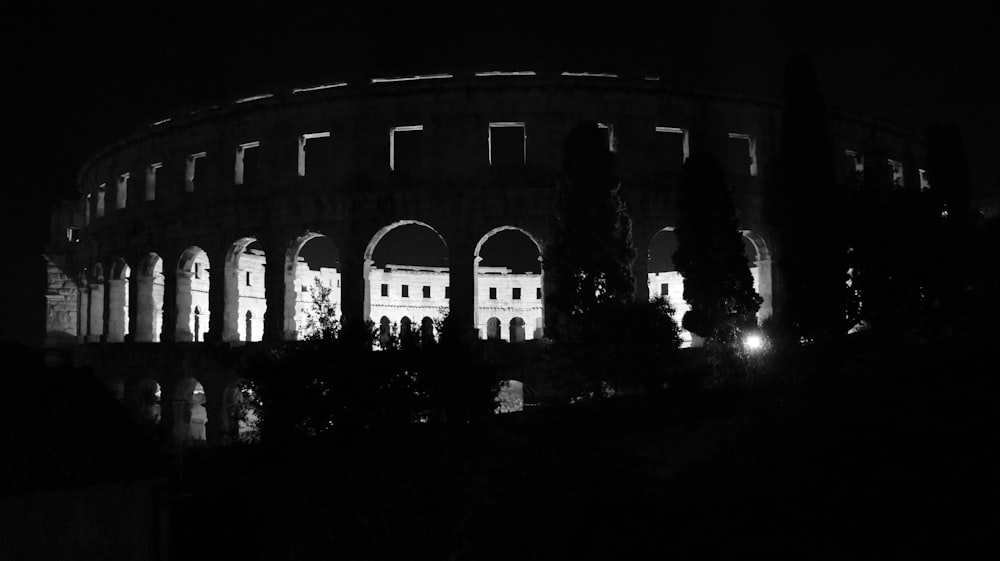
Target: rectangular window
[(121, 192), (72, 234), (190, 171), (516, 294), (896, 168), (317, 145), (741, 155), (610, 129), (385, 290), (507, 144), (248, 278), (246, 163), (197, 270), (924, 184), (538, 293), (493, 293), (672, 147), (427, 292), (405, 293), (405, 149), (151, 171), (305, 288), (447, 292), (664, 289)]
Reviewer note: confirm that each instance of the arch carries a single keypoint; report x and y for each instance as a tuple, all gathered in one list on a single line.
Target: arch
[(145, 401), (117, 297), (190, 413), (384, 333), (529, 302), (369, 262), (426, 331), (299, 277), (193, 286), (762, 273), (493, 329), (510, 397), (516, 330), (243, 286), (248, 328)]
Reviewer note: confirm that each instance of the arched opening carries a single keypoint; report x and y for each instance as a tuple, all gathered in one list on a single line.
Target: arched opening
[(509, 283), (493, 329), (759, 260), (240, 413), (406, 275), (244, 291), (406, 335), (145, 401), (384, 333), (190, 412), (312, 284), (193, 284), (516, 330), (427, 331), (664, 280), (118, 295), (510, 398)]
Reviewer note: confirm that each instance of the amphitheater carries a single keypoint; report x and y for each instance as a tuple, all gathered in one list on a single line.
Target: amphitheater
[(186, 245)]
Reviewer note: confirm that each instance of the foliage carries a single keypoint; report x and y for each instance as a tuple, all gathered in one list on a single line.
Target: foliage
[(618, 347), (805, 211), (590, 258), (321, 320), (717, 280)]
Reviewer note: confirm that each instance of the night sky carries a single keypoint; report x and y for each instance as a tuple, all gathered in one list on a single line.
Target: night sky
[(79, 78)]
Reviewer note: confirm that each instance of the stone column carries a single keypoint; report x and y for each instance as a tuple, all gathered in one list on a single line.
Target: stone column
[(230, 308), (217, 296), (115, 303), (180, 324), (274, 290), (640, 268), (462, 278), (143, 326), (95, 313), (355, 298)]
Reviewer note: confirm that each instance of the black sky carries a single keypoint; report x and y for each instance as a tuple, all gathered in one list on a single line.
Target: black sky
[(81, 76)]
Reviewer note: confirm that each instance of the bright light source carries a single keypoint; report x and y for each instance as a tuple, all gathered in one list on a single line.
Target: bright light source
[(753, 342)]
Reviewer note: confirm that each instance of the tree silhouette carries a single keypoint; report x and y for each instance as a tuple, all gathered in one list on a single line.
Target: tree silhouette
[(592, 252), (804, 211), (717, 280)]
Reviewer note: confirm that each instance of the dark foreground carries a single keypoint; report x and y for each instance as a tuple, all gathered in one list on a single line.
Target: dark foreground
[(849, 452)]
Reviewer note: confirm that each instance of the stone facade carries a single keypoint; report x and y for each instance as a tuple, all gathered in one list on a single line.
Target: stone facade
[(204, 246)]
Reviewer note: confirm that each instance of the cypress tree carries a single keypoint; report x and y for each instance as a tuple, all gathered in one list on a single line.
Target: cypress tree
[(805, 212), (717, 281), (591, 255)]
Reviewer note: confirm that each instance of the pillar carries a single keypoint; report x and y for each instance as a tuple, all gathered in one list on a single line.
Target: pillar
[(115, 304), (218, 284), (355, 296), (274, 291), (462, 279), (640, 268), (143, 330), (183, 307), (95, 313), (230, 307)]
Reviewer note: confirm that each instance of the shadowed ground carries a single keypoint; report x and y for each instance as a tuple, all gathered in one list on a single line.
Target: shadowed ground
[(850, 452)]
